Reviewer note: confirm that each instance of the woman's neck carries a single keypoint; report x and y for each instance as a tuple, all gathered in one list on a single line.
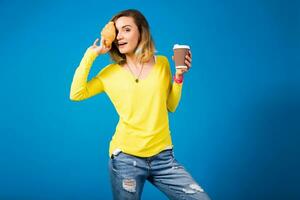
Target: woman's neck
[(131, 59)]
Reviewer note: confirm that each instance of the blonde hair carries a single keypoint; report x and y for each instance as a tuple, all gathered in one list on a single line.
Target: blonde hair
[(145, 48)]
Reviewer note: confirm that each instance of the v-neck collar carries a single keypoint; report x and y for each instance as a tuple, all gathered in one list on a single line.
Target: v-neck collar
[(130, 75)]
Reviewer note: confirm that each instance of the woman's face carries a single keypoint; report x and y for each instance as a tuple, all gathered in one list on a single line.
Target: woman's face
[(127, 35)]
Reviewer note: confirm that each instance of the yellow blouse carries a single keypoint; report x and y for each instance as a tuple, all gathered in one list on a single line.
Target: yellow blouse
[(143, 127)]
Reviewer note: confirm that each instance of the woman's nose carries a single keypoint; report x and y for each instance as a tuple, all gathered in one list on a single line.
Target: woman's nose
[(119, 36)]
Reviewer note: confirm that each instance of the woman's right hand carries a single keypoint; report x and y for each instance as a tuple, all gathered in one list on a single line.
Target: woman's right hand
[(102, 49)]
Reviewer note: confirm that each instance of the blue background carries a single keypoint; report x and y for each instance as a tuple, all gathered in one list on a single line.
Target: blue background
[(237, 126)]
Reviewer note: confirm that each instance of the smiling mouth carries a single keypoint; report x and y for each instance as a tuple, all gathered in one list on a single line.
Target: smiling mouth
[(122, 44)]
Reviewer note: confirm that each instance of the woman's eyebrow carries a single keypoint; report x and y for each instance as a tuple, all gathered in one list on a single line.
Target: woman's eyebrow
[(125, 26)]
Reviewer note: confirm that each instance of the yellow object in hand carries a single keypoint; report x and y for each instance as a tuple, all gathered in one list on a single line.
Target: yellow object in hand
[(108, 34)]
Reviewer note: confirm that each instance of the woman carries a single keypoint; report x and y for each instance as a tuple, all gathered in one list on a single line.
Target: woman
[(140, 87)]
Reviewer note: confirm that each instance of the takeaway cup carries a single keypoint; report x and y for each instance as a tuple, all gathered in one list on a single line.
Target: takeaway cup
[(180, 51)]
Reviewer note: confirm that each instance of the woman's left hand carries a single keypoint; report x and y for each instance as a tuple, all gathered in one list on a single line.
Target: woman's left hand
[(188, 62)]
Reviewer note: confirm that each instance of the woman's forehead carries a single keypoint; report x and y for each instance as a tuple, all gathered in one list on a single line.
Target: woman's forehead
[(124, 21)]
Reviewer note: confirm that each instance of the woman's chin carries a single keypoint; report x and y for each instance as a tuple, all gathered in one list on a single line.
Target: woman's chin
[(124, 51)]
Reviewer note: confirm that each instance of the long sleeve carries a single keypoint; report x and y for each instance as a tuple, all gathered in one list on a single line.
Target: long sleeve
[(174, 93), (174, 96), (81, 88)]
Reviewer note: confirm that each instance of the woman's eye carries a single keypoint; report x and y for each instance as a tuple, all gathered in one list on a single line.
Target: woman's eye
[(127, 30)]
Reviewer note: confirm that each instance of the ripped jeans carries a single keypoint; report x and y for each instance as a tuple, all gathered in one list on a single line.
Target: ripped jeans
[(128, 174)]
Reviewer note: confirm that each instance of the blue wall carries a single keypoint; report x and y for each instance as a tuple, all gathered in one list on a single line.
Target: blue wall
[(240, 107)]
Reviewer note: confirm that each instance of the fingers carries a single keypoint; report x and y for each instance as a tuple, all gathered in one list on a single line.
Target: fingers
[(104, 43), (188, 61), (95, 43), (190, 53), (181, 71), (187, 57), (184, 70)]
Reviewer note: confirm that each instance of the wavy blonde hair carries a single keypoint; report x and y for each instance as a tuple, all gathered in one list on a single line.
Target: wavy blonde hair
[(145, 48)]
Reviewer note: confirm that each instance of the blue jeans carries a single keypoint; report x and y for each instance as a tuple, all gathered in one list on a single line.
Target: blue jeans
[(128, 174)]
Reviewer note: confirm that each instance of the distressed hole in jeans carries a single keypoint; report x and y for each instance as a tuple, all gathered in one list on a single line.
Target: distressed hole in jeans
[(192, 189), (129, 184)]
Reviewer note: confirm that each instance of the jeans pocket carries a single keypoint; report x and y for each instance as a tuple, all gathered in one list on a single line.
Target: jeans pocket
[(114, 162), (123, 164)]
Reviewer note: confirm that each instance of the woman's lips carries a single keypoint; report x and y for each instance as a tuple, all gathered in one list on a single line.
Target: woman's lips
[(122, 45)]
